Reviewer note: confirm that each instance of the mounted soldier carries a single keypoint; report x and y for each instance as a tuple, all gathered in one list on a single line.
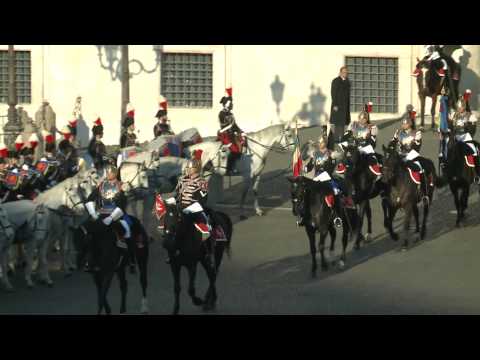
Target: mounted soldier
[(48, 165), (162, 127), (111, 202), (230, 134), (442, 63), (364, 135), (96, 148), (128, 139), (191, 193), (324, 165), (408, 141), (3, 170), (67, 153), (464, 125)]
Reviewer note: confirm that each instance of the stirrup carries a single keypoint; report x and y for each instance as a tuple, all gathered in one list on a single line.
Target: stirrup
[(337, 222)]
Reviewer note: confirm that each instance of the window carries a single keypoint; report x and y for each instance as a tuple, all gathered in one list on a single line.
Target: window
[(23, 74), (373, 79), (187, 79)]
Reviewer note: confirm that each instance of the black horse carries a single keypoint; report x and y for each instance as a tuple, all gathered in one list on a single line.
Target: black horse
[(317, 199), (363, 182), (430, 84), (98, 238), (459, 175), (404, 194), (188, 249)]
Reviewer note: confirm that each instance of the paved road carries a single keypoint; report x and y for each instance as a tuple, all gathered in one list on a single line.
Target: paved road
[(270, 267)]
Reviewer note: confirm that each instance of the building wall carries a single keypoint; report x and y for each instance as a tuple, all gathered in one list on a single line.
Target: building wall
[(62, 72)]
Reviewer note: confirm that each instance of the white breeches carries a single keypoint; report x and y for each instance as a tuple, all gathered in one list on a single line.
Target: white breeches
[(125, 225), (366, 149), (324, 176), (193, 208)]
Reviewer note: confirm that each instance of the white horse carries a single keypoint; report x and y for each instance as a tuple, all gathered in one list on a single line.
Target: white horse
[(63, 216), (252, 163), (30, 223)]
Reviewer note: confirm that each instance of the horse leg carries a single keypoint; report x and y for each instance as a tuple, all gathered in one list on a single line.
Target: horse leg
[(406, 225), (388, 216), (417, 220), (362, 210), (426, 208), (422, 109), (256, 182), (456, 200), (211, 294), (105, 286), (30, 247), (192, 273), (368, 213), (4, 269), (333, 237), (246, 187), (432, 110), (176, 285), (43, 271), (313, 250), (321, 245), (97, 278), (123, 286), (142, 260)]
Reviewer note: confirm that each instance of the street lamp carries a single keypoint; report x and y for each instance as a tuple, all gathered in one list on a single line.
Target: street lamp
[(13, 127)]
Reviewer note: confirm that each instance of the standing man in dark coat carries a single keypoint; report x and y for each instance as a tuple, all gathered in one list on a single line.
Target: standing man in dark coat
[(340, 111)]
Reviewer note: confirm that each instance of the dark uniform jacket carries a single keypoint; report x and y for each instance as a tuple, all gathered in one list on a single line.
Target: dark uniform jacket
[(341, 99), (190, 190), (97, 151), (128, 139), (162, 129)]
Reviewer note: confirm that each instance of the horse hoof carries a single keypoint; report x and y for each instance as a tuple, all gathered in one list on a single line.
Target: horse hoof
[(356, 247), (394, 237), (404, 248), (243, 217), (259, 212), (208, 307), (50, 284), (368, 238), (341, 264), (30, 286), (68, 274), (197, 302)]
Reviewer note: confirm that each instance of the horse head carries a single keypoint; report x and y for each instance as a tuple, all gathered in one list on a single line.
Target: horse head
[(392, 162), (297, 193), (171, 217), (134, 175)]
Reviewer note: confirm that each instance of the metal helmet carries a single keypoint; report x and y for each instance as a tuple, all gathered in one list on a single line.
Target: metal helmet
[(322, 140), (110, 168), (461, 103), (194, 164)]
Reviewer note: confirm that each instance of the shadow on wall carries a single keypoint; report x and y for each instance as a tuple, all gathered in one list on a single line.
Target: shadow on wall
[(110, 58), (469, 79), (277, 88), (313, 112)]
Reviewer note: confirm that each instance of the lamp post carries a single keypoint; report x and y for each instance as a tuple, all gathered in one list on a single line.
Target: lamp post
[(13, 127)]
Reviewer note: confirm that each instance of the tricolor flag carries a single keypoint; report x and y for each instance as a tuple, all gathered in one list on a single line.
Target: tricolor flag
[(297, 157)]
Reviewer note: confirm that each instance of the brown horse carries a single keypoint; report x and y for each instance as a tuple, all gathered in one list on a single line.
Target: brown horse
[(430, 84)]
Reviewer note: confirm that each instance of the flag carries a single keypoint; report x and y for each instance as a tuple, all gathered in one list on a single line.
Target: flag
[(297, 158), (444, 113)]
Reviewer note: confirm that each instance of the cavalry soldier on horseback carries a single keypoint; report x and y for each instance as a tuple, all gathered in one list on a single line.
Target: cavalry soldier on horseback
[(128, 137), (3, 170), (48, 165), (464, 125), (442, 63), (96, 147), (191, 193), (67, 153), (324, 166), (230, 134), (408, 142), (111, 202), (364, 134), (162, 127)]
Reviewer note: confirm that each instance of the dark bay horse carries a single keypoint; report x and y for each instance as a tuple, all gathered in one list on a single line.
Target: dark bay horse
[(101, 240), (188, 250), (459, 176), (363, 183), (430, 84), (317, 197), (403, 194)]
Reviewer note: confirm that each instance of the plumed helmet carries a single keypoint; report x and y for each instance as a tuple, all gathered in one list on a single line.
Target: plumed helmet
[(97, 130), (194, 163), (111, 168), (128, 121)]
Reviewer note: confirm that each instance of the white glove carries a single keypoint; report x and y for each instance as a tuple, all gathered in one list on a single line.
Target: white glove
[(108, 220), (91, 210)]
